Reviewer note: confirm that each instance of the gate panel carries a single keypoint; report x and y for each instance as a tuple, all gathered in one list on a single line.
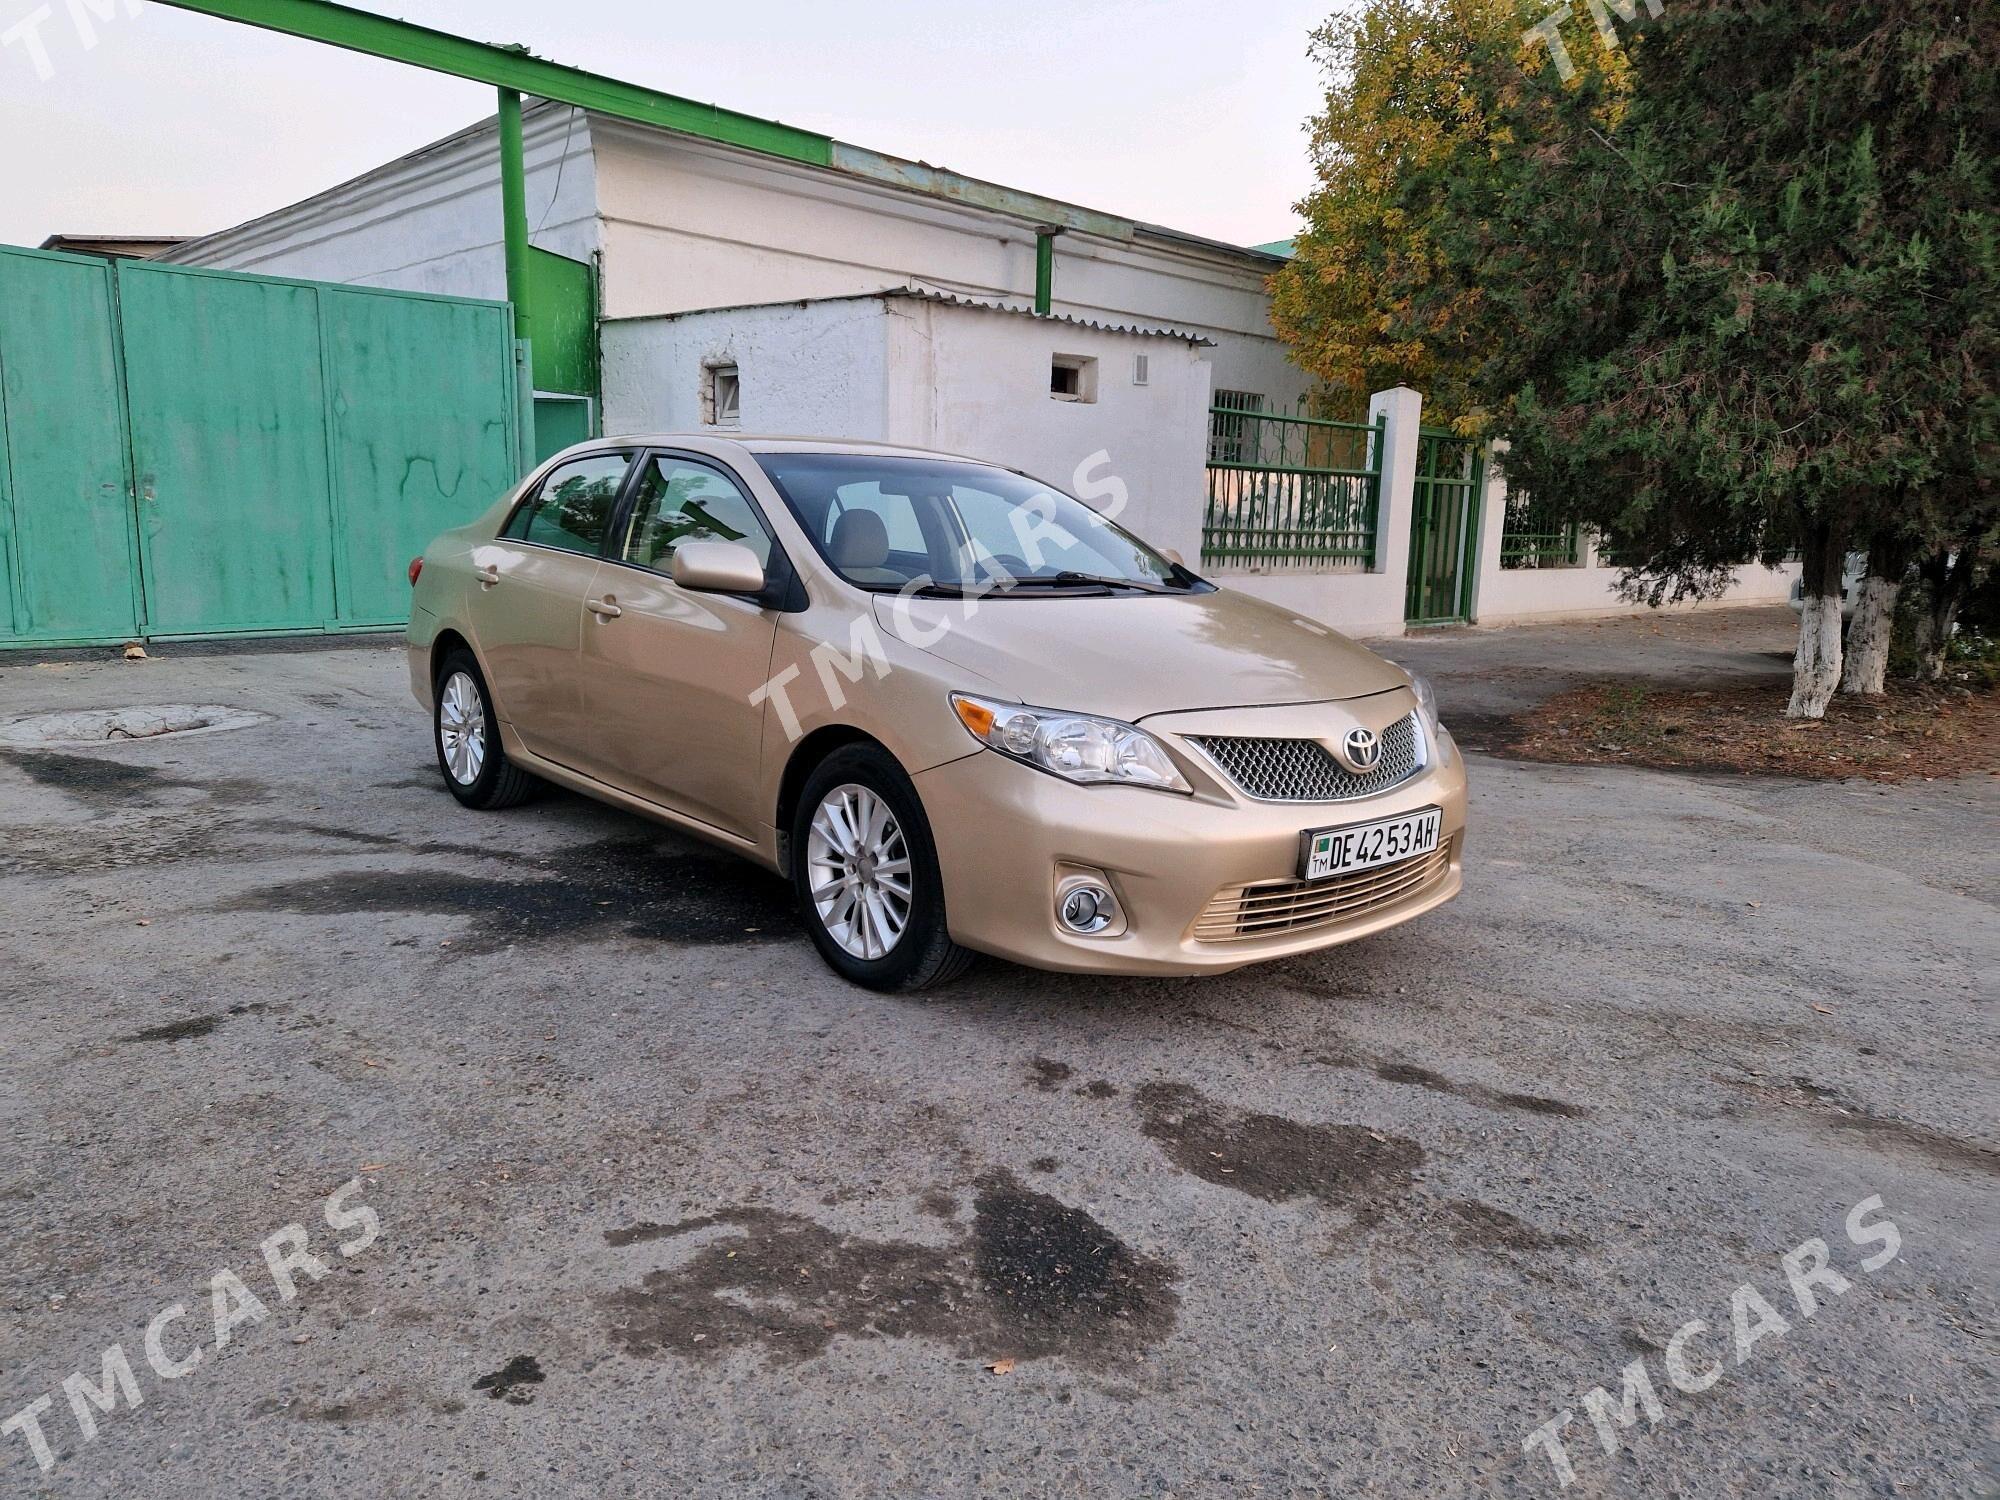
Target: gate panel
[(67, 559), (423, 433), (1444, 529), (229, 443)]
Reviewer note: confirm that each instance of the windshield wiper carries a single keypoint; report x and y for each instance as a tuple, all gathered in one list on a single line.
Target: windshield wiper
[(1067, 580)]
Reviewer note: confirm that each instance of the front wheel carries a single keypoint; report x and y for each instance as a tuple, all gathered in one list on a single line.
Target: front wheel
[(866, 873), (469, 752)]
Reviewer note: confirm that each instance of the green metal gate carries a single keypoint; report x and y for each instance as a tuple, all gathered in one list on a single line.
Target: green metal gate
[(1444, 529), (187, 452)]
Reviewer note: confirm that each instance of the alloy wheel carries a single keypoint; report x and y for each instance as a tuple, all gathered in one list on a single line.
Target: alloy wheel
[(462, 728), (858, 871)]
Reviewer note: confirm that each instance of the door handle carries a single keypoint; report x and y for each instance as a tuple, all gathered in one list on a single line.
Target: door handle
[(488, 575), (605, 608)]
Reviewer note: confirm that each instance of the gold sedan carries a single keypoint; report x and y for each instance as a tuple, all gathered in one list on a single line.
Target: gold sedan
[(960, 710)]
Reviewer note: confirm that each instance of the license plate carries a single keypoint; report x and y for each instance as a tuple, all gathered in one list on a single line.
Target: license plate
[(1343, 851)]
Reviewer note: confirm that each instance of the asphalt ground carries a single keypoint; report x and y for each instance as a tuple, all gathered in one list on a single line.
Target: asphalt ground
[(663, 1208)]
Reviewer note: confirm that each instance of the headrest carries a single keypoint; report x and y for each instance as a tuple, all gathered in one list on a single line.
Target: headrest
[(860, 540)]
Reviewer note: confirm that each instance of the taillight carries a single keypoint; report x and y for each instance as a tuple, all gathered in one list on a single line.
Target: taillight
[(416, 570)]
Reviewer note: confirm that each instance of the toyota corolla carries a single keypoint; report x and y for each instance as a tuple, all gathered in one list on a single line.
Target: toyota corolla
[(961, 711)]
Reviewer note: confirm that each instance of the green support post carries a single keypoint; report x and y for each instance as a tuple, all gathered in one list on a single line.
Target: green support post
[(1045, 270), (514, 211)]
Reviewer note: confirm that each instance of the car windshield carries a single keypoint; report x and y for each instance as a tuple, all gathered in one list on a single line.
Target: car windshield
[(949, 526)]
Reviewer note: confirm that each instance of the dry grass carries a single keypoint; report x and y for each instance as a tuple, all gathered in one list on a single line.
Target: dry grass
[(1916, 731)]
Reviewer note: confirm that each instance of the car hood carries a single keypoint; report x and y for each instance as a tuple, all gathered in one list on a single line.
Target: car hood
[(1137, 654)]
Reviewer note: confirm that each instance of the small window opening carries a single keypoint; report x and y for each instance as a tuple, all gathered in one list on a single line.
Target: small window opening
[(721, 396), (1073, 377)]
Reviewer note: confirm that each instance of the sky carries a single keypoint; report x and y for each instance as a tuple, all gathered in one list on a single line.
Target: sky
[(1177, 112)]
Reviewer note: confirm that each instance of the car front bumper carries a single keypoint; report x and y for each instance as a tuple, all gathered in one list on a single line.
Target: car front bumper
[(1008, 834)]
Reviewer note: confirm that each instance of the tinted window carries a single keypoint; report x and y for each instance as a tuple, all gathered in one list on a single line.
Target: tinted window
[(679, 501), (956, 523), (572, 509), (898, 513)]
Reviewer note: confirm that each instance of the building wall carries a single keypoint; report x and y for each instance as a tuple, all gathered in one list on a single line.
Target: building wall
[(956, 379), (430, 221), (971, 381), (690, 224), (816, 369)]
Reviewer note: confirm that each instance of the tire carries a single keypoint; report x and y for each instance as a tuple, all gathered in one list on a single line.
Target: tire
[(461, 709), (921, 954)]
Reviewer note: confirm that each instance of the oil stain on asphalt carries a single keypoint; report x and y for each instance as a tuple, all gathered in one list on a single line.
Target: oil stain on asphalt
[(1270, 1157), (1032, 1278), (514, 1382), (1369, 1173), (630, 886)]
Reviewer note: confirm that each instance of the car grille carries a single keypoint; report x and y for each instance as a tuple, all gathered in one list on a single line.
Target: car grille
[(1245, 912), (1306, 771)]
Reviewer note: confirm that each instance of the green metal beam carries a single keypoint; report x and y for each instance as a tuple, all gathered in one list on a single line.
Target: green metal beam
[(514, 212), (1045, 270), (514, 68)]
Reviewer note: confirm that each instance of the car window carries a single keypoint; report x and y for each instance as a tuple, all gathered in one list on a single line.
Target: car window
[(898, 513), (955, 523), (679, 501), (572, 510)]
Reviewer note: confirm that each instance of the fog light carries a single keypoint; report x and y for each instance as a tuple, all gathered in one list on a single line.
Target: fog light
[(1087, 908)]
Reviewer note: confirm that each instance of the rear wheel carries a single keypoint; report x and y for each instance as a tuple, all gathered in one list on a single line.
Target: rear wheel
[(866, 874), (469, 752)]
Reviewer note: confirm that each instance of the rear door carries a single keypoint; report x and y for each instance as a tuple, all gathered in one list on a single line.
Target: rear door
[(670, 680), (528, 596)]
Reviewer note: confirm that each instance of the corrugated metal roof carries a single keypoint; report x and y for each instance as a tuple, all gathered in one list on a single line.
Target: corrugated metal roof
[(942, 299)]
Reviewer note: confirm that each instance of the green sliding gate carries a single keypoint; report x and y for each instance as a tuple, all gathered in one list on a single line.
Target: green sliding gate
[(1444, 529), (187, 452)]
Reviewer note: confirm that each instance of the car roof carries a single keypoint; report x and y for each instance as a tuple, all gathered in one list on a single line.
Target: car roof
[(713, 442)]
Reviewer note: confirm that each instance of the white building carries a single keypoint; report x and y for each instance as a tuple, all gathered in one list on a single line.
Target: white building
[(678, 281)]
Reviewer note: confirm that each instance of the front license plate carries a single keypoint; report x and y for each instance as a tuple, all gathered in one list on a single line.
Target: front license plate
[(1343, 851)]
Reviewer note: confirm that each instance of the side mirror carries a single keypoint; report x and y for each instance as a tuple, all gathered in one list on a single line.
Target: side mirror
[(718, 568), (1173, 557)]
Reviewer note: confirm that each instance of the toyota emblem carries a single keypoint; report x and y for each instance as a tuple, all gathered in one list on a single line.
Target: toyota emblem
[(1362, 750)]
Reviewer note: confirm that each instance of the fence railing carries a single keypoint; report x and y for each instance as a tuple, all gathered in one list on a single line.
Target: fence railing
[(1288, 488), (1536, 536)]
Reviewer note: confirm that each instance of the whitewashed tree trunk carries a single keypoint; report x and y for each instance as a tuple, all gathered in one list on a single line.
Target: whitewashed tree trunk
[(1816, 667), (1866, 668)]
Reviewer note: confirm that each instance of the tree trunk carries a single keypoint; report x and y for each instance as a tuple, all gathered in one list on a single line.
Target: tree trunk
[(1816, 667), (1950, 578), (1866, 669)]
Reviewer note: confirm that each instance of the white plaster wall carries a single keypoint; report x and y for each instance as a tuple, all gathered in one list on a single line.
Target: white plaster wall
[(816, 369), (966, 380), (691, 224), (428, 222)]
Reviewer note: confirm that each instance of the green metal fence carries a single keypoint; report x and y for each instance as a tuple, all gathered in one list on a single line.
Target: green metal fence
[(187, 452), (1284, 487), (1535, 535)]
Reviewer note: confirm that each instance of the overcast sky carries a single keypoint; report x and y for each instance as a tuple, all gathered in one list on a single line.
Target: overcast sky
[(1181, 112)]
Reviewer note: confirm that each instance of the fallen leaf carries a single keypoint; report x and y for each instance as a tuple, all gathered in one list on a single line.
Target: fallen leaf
[(1823, 1010), (1002, 1367), (375, 1166)]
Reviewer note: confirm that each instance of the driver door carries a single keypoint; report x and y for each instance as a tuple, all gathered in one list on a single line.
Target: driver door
[(666, 674)]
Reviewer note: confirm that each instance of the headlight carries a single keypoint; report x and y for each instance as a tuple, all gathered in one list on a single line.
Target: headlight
[(1076, 747), (1427, 703)]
